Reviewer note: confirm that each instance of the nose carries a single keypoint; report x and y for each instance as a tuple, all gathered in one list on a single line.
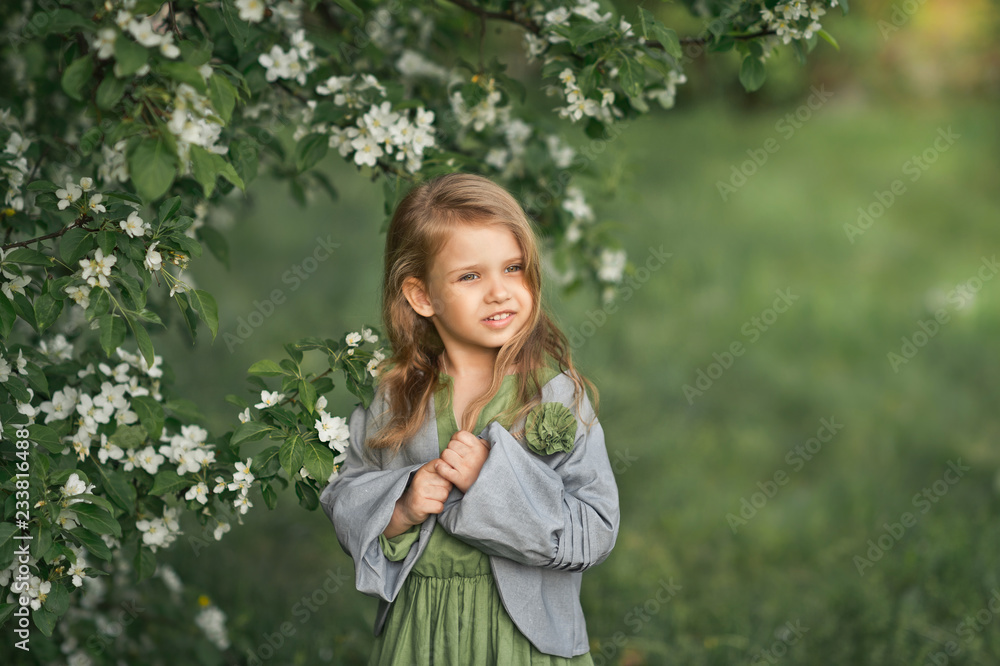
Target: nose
[(498, 291)]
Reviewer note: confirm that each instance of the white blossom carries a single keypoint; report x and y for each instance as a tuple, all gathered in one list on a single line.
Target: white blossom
[(153, 261), (334, 431), (212, 621), (134, 226), (198, 492), (251, 10), (80, 295), (68, 194), (612, 265), (269, 399)]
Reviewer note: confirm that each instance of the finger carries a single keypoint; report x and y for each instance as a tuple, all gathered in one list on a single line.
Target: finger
[(446, 471), (467, 438), (453, 458)]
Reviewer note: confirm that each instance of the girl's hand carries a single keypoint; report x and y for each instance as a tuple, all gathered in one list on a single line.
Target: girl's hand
[(426, 495), (461, 461)]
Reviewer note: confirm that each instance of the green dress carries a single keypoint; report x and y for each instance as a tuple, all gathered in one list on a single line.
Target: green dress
[(448, 611)]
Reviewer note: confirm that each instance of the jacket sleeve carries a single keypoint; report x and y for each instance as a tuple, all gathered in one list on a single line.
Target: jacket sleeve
[(359, 502), (561, 513)]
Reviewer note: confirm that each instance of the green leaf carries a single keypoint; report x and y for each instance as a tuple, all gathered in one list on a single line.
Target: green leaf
[(62, 21), (97, 500), (45, 436), (243, 153), (110, 91), (269, 495), (318, 461), (654, 30), (42, 186), (586, 33), (74, 245), (18, 392), (752, 73), (150, 414), (223, 96), (216, 243), (128, 436), (184, 409), (203, 169), (168, 209), (145, 563), (77, 75), (130, 56), (310, 150), (227, 171), (153, 167), (7, 316), (266, 368), (112, 332), (143, 341), (292, 453), (47, 309), (206, 167), (183, 72), (42, 541), (266, 463), (24, 255), (168, 481), (118, 488), (24, 309), (45, 620), (250, 431), (307, 495), (204, 303), (6, 610), (107, 240), (92, 542), (96, 519), (828, 37), (36, 378), (7, 532), (99, 303), (307, 394), (58, 600), (632, 76), (352, 8)]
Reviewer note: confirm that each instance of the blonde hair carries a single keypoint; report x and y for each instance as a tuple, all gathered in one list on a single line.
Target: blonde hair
[(419, 228)]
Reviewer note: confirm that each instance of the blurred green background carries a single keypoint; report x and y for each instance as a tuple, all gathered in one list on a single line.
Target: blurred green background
[(763, 541)]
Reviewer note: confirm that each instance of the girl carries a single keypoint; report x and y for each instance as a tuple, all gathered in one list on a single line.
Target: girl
[(475, 545)]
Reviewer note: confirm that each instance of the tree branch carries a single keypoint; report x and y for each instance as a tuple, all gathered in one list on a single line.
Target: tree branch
[(80, 221), (508, 15), (704, 40)]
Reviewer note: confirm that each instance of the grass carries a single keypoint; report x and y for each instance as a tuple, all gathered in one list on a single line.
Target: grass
[(693, 461)]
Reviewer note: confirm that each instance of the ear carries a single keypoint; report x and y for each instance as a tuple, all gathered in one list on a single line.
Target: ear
[(416, 296)]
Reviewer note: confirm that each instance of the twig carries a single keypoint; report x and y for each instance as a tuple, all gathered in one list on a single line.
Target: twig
[(83, 219), (508, 15)]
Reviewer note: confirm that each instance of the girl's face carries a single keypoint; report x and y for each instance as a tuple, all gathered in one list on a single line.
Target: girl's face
[(475, 294)]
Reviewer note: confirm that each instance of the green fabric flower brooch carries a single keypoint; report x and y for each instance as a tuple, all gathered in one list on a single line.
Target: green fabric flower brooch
[(550, 428)]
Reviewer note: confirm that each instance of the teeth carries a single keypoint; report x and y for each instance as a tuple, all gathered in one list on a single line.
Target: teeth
[(499, 316)]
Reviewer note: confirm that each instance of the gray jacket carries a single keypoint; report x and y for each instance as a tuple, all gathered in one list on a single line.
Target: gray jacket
[(542, 519)]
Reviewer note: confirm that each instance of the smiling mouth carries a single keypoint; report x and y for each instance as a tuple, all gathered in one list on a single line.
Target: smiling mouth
[(500, 317)]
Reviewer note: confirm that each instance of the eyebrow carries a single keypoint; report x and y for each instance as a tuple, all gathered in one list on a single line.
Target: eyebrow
[(518, 259)]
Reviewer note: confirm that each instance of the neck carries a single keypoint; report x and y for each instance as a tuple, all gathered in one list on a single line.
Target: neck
[(469, 366)]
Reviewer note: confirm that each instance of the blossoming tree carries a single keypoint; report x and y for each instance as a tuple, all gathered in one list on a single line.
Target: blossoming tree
[(125, 122)]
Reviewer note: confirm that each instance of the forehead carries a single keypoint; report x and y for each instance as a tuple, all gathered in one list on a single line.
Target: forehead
[(477, 243)]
